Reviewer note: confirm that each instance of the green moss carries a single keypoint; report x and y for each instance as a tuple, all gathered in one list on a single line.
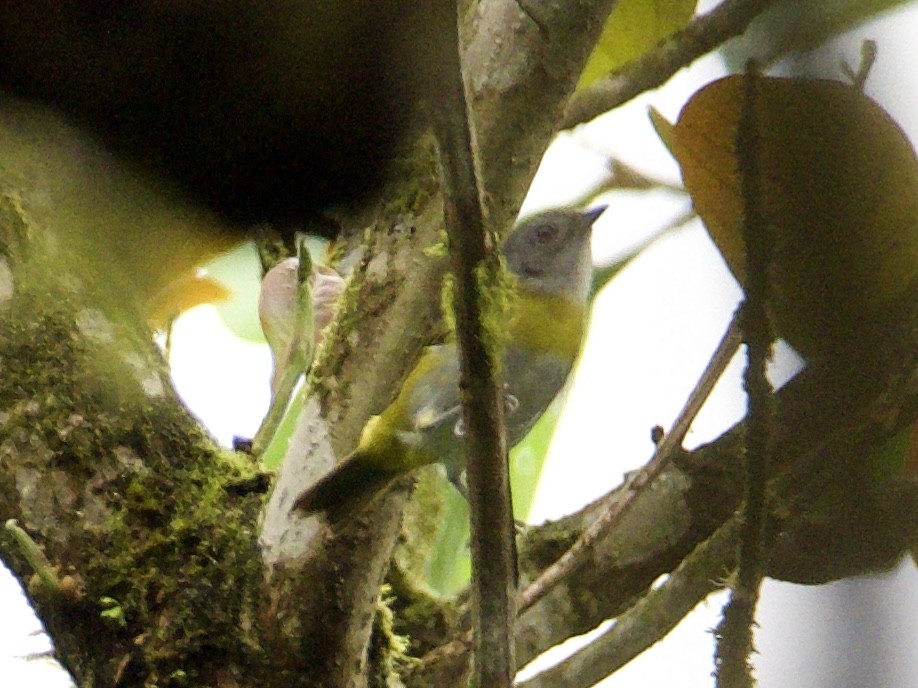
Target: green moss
[(418, 178), (188, 575), (327, 361), (388, 649), (427, 620), (544, 545), (497, 289), (498, 296), (169, 556)]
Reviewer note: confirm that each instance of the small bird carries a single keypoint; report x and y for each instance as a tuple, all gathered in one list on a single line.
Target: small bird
[(549, 254)]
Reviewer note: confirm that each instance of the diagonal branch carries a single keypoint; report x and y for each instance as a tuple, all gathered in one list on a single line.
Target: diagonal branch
[(518, 81), (704, 34), (671, 445), (820, 417)]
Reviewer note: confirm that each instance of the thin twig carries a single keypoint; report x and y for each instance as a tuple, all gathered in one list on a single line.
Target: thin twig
[(35, 556), (868, 58), (665, 451), (493, 546), (735, 631), (652, 617), (624, 176), (701, 36), (706, 569)]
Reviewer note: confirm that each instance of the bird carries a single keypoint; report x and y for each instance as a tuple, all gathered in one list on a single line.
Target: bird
[(549, 256), (262, 111)]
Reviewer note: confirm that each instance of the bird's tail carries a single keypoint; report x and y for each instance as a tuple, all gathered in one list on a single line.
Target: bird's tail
[(344, 490)]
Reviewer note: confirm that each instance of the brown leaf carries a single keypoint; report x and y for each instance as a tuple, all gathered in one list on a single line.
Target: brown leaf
[(839, 191)]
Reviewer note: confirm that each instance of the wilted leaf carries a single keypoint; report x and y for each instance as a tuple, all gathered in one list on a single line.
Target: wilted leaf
[(277, 307), (633, 28), (186, 292), (839, 190)]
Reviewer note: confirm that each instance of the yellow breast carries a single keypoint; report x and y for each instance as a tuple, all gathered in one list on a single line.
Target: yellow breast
[(548, 323)]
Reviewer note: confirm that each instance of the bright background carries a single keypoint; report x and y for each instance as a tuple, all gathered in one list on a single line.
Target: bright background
[(653, 330)]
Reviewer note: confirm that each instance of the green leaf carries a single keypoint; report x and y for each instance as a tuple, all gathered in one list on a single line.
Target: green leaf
[(277, 447), (634, 28), (239, 270)]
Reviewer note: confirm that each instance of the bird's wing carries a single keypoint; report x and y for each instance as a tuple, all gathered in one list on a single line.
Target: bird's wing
[(429, 417), (438, 401), (435, 396)]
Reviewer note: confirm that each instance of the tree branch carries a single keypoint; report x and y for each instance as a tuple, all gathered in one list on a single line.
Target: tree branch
[(821, 417), (701, 36), (518, 82), (668, 448), (735, 631), (475, 263), (651, 618), (112, 478)]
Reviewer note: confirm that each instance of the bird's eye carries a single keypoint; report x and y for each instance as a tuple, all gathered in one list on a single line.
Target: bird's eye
[(545, 234)]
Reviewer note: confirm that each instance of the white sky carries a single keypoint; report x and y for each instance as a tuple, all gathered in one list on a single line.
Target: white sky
[(653, 330)]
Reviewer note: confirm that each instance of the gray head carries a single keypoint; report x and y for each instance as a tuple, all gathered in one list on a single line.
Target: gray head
[(550, 252)]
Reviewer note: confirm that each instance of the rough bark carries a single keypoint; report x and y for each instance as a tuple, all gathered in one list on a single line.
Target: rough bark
[(171, 567), (196, 587)]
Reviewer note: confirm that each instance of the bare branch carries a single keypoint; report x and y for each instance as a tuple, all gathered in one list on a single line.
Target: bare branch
[(648, 621), (664, 453), (704, 34), (475, 267), (734, 633)]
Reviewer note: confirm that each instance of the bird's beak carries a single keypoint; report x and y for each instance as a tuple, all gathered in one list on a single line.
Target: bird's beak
[(590, 216)]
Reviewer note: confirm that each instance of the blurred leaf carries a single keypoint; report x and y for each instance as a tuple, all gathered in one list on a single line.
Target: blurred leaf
[(839, 187), (800, 25), (186, 292), (277, 447), (135, 236), (528, 457), (450, 563), (890, 459), (240, 272), (633, 28), (911, 459), (851, 515)]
